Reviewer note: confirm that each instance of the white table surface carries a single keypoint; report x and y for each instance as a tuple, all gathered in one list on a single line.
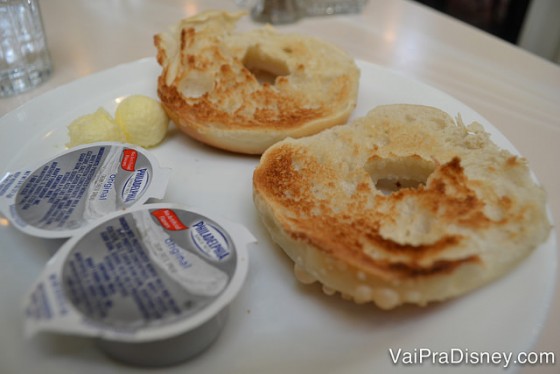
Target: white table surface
[(516, 91)]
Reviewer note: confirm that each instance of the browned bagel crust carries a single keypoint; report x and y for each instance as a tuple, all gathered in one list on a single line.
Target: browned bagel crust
[(476, 215), (210, 88)]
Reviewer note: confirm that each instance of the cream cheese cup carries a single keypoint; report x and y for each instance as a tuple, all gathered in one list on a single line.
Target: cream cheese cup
[(151, 284), (56, 198)]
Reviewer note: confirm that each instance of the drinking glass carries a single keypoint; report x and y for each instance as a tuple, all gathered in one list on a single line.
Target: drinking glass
[(24, 56)]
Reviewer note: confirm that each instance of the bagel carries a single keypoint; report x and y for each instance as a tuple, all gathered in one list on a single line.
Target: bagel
[(402, 206), (244, 91)]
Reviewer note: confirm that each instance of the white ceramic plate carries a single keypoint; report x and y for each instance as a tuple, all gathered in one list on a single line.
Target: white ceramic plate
[(275, 325)]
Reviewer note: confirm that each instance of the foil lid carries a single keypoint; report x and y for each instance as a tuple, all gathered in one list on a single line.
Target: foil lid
[(147, 274), (56, 198)]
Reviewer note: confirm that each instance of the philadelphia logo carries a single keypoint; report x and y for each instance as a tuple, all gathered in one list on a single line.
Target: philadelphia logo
[(135, 184), (210, 241)]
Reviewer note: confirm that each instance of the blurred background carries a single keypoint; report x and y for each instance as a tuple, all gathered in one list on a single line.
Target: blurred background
[(531, 24)]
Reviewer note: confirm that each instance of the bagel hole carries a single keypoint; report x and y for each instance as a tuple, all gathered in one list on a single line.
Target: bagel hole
[(264, 67), (390, 175), (389, 185)]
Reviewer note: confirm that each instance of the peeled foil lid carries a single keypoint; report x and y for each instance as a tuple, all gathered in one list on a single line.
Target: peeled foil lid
[(148, 274), (58, 197)]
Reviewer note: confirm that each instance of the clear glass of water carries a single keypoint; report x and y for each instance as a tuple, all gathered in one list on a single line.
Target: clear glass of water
[(24, 56)]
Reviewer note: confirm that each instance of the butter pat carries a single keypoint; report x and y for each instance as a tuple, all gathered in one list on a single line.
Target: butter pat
[(142, 120), (96, 127), (139, 120)]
